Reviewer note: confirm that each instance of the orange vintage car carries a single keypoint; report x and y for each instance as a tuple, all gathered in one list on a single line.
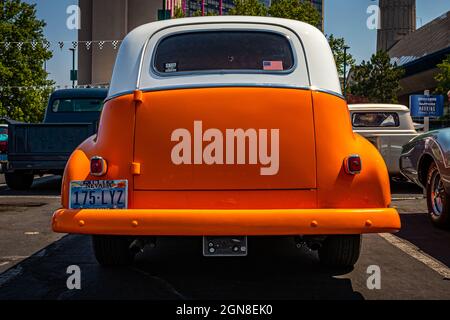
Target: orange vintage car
[(225, 128)]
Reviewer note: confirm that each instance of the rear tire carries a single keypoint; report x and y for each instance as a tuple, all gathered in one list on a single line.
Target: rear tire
[(340, 251), (19, 180), (438, 200), (112, 250)]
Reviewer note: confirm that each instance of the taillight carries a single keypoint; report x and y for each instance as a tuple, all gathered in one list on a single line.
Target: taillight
[(3, 146), (352, 164), (98, 166)]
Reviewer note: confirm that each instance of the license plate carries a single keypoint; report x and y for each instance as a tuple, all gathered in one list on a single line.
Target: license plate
[(98, 194), (3, 157), (225, 246)]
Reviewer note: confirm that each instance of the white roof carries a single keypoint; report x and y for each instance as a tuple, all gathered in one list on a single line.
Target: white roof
[(377, 107), (315, 66)]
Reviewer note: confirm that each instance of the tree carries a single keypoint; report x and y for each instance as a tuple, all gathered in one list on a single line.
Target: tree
[(178, 12), (443, 77), (22, 67), (377, 80), (443, 82), (296, 10), (248, 8), (337, 46)]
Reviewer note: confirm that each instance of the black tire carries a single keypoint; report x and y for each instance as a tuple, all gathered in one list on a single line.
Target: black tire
[(19, 180), (340, 251), (438, 200), (112, 250)]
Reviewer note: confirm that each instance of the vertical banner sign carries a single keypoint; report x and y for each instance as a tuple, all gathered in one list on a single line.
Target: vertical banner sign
[(426, 106)]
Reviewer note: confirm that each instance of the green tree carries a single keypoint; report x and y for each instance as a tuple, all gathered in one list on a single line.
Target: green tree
[(248, 8), (443, 82), (337, 47), (178, 12), (22, 67), (296, 10), (443, 77), (197, 13), (378, 80)]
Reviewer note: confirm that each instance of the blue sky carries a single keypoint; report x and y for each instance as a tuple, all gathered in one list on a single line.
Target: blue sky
[(343, 18)]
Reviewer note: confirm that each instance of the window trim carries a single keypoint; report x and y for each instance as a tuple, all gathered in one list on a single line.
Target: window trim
[(154, 70), (396, 119), (77, 112)]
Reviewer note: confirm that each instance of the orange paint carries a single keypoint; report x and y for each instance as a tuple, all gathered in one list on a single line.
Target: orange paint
[(310, 194)]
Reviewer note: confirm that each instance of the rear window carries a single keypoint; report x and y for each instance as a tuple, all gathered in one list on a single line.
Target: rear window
[(375, 119), (224, 50), (77, 105)]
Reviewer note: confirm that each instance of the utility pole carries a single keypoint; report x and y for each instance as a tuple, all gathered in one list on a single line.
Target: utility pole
[(73, 72), (426, 120), (345, 70)]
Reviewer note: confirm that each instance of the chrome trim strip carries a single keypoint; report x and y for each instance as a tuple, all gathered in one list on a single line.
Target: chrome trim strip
[(228, 85)]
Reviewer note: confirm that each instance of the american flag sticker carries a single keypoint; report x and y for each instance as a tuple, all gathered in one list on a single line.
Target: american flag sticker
[(273, 65)]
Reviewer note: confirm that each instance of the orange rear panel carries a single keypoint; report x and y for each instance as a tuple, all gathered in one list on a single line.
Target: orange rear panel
[(286, 110)]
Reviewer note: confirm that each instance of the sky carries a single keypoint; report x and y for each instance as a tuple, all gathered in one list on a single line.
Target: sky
[(343, 18)]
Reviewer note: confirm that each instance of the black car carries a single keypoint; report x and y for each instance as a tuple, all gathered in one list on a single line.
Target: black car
[(425, 160)]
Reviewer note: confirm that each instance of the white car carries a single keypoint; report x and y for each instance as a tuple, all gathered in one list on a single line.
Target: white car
[(387, 126)]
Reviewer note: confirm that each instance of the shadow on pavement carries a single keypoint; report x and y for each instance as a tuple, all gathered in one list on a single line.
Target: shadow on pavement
[(42, 186), (404, 187), (417, 229), (274, 269)]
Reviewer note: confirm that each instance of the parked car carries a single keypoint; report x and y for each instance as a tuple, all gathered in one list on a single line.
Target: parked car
[(3, 143), (42, 148), (426, 161), (227, 130), (387, 126)]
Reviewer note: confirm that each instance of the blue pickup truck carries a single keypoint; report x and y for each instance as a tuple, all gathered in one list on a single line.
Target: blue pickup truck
[(43, 148)]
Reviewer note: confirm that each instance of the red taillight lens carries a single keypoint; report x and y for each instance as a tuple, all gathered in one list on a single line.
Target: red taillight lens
[(353, 164), (3, 146), (98, 166)]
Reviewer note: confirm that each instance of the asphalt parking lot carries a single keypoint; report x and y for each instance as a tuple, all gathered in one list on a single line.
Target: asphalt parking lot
[(414, 263)]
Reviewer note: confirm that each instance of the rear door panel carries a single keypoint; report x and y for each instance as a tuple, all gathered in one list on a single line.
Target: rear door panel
[(287, 110)]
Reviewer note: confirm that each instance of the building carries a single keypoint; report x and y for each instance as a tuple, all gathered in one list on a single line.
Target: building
[(108, 20), (113, 19), (205, 7), (397, 20), (418, 53), (196, 7), (319, 5)]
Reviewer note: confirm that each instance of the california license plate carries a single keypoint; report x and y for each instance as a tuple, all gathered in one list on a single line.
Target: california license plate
[(98, 194)]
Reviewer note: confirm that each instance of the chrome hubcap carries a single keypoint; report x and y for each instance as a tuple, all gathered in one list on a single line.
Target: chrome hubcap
[(437, 194)]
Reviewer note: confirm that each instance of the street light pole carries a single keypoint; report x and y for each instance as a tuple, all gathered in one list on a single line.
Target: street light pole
[(345, 70), (72, 73)]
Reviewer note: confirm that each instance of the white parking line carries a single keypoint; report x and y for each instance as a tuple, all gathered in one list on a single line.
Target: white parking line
[(408, 198), (418, 254)]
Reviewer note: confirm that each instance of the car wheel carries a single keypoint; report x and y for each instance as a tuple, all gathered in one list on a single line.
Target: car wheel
[(19, 180), (112, 250), (340, 251), (438, 200)]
